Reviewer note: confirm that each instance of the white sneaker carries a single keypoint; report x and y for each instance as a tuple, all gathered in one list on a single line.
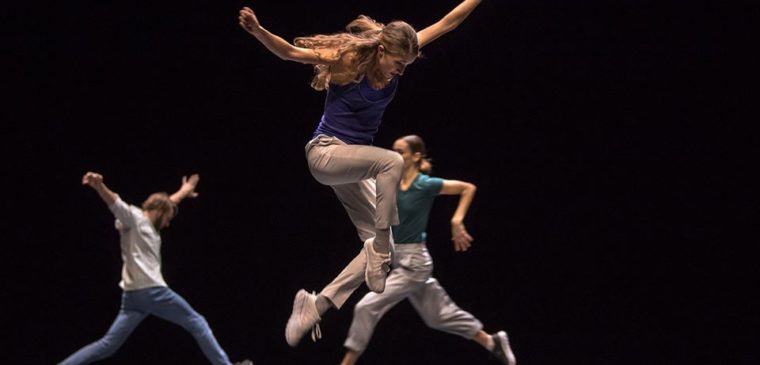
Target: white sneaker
[(501, 349), (377, 268), (303, 318)]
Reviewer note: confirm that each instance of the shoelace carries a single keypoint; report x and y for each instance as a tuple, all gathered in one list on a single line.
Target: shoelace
[(316, 331)]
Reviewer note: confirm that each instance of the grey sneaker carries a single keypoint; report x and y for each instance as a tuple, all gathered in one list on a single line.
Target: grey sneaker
[(244, 362), (501, 349), (377, 268), (303, 318)]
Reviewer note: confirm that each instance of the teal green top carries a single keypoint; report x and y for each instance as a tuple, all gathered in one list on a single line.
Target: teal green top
[(414, 209)]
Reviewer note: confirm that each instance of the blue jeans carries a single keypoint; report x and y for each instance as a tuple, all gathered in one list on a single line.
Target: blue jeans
[(161, 302)]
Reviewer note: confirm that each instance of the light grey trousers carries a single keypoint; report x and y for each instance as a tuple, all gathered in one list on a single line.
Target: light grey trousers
[(365, 179), (410, 279)]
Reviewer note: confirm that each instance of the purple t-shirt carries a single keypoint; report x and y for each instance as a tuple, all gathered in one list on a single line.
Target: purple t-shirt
[(353, 112)]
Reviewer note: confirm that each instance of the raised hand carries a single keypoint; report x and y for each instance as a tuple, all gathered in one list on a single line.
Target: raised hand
[(95, 181), (92, 179), (248, 20), (189, 185)]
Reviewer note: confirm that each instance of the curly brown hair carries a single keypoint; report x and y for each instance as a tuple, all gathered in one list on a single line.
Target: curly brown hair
[(162, 203)]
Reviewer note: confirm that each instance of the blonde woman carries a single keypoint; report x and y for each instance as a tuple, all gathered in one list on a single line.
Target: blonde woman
[(412, 275), (360, 69)]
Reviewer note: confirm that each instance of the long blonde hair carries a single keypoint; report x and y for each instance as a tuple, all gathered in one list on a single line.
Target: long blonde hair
[(363, 36)]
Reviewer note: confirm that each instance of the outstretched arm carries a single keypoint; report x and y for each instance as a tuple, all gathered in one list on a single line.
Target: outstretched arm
[(187, 189), (466, 191), (447, 23), (95, 181), (282, 48)]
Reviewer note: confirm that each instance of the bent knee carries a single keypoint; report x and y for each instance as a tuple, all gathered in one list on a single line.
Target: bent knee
[(108, 346), (360, 309), (394, 162), (436, 323), (365, 309), (197, 324), (398, 161)]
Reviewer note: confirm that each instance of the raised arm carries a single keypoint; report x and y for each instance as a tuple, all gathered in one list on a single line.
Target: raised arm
[(280, 47), (466, 191), (447, 23), (95, 181), (187, 189)]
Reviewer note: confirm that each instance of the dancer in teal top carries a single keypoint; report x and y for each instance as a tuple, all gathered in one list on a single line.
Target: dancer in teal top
[(360, 69), (412, 277)]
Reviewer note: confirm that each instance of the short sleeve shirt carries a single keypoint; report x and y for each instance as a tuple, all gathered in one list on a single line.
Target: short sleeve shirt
[(414, 209)]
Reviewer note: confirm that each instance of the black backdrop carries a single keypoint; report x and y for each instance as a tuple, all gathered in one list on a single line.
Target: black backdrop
[(601, 137)]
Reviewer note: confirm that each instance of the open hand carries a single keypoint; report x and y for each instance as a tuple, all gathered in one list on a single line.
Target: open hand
[(189, 184), (462, 239)]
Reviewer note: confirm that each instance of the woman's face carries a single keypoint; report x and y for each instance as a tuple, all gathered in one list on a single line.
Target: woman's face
[(410, 159), (391, 65)]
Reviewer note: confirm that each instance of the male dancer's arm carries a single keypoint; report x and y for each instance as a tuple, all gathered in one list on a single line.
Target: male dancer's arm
[(466, 191), (95, 181), (447, 23), (187, 189)]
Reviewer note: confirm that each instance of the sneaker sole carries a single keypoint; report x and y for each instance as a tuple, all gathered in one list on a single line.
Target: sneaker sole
[(385, 268), (298, 308), (504, 340)]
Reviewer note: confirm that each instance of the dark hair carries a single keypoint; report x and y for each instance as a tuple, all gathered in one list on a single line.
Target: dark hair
[(416, 144)]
